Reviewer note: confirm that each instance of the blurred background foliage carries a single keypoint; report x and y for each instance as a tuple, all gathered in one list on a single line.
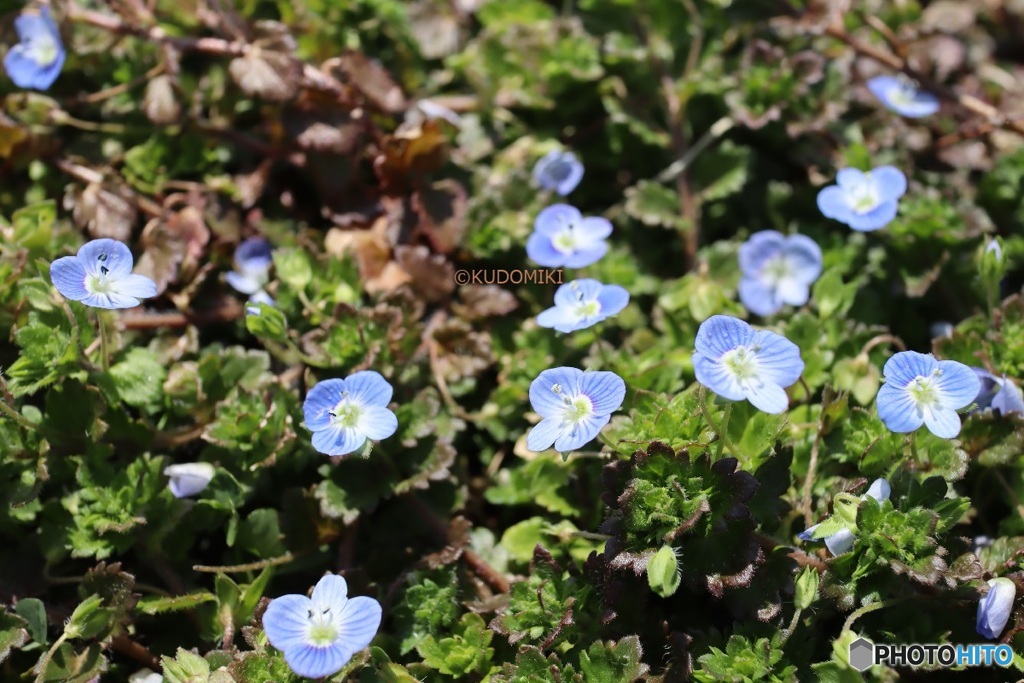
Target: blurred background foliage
[(184, 127)]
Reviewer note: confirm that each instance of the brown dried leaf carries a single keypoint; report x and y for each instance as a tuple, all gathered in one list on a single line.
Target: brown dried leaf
[(103, 211), (269, 75), (435, 26), (318, 124), (416, 149), (373, 81), (442, 211), (432, 275), (461, 352), (175, 242), (160, 103), (484, 301)]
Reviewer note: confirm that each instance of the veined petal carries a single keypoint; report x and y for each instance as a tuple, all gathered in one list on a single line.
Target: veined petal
[(108, 253), (890, 182), (286, 621), (994, 609), (317, 662), (110, 301), (320, 400), (1009, 399), (542, 252), (808, 533), (942, 422), (585, 431), (760, 247), (544, 434), (958, 383), (897, 409), (759, 297), (905, 366), (561, 318), (359, 622), (188, 479), (606, 391), (138, 286), (804, 257), (990, 386), (594, 228), (840, 542), (832, 203), (368, 388), (876, 219), (584, 256), (545, 400), (571, 293), (337, 440), (613, 299), (879, 490), (377, 423), (720, 334), (778, 359), (68, 276), (716, 377), (330, 591), (768, 397), (552, 219)]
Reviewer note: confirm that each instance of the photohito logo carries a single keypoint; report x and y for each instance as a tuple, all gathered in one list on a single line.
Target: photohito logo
[(864, 654)]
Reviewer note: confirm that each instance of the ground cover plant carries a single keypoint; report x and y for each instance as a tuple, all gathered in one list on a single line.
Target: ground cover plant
[(509, 340)]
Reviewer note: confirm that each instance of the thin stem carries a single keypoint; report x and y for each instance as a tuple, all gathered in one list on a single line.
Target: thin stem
[(725, 428), (104, 341), (788, 631), (717, 130), (866, 609), (15, 415), (45, 661), (702, 403), (250, 567), (812, 467)]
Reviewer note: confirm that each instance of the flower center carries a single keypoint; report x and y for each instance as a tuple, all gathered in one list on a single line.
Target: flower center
[(99, 284), (741, 362), (565, 240), (322, 631), (776, 269), (924, 390), (560, 170), (863, 197), (346, 413), (588, 309), (43, 50)]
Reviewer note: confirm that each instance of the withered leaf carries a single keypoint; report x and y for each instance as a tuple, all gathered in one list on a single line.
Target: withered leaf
[(484, 301), (442, 211), (105, 211), (431, 275), (373, 81)]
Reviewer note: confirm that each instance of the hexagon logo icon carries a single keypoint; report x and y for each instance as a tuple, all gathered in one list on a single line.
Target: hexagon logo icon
[(862, 654)]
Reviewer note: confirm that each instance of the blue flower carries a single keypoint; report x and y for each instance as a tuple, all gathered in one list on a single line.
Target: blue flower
[(998, 393), (841, 541), (921, 390), (777, 270), (344, 413), (738, 362), (563, 237), (253, 259), (864, 201), (319, 634), (189, 478), (559, 171), (582, 303), (903, 97), (100, 275), (36, 61), (994, 609), (574, 405)]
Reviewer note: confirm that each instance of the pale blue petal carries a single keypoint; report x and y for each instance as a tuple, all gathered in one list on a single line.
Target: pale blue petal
[(68, 277), (546, 402), (1009, 399), (613, 299), (261, 297), (585, 256), (542, 252), (840, 542), (808, 533), (876, 219), (758, 249), (317, 662), (594, 229), (606, 391), (832, 203), (338, 440), (721, 333), (359, 622), (906, 366), (561, 318), (571, 293), (958, 384), (994, 609), (110, 301), (243, 282), (942, 422), (778, 359), (331, 591), (879, 490), (792, 291), (803, 255), (552, 219), (890, 182), (768, 397), (758, 297), (572, 180), (138, 286), (897, 409), (544, 434), (848, 178), (583, 433), (254, 254), (108, 253), (320, 400), (368, 388), (286, 621), (715, 377), (188, 479), (377, 423), (881, 86), (989, 387)]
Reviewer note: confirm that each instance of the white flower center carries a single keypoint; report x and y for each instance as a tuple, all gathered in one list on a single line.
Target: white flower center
[(346, 413), (322, 630), (776, 269), (566, 240), (902, 95), (742, 363), (100, 284), (588, 309), (924, 390), (43, 50), (863, 197)]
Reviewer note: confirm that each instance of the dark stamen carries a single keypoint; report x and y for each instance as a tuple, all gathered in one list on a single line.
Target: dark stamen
[(104, 270), (101, 257), (332, 413)]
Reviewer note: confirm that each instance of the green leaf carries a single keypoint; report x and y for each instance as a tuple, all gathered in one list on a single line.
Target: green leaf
[(663, 574), (186, 667), (613, 662), (293, 267), (465, 652), (832, 297), (33, 611), (806, 588), (14, 632), (269, 323), (88, 619), (33, 224), (139, 378), (159, 605)]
